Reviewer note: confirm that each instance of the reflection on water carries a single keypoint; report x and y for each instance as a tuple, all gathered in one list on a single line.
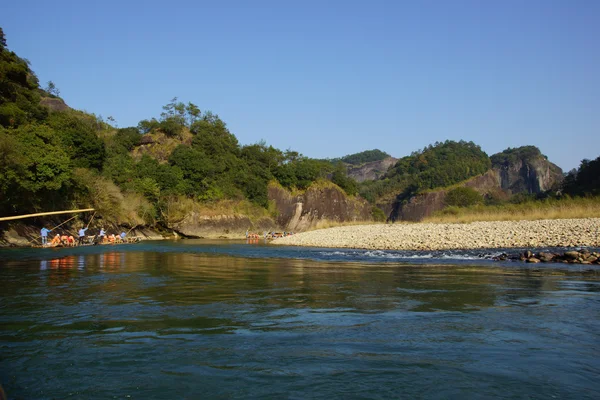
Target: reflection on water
[(204, 324)]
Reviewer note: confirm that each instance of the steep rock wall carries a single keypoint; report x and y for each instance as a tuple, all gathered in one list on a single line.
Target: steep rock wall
[(317, 203), (532, 175), (425, 204), (371, 170), (202, 226), (529, 176)]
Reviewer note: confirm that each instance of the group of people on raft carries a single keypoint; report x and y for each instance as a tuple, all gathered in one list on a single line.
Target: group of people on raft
[(69, 241)]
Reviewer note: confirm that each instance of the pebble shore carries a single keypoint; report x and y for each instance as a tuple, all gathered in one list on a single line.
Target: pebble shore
[(583, 232)]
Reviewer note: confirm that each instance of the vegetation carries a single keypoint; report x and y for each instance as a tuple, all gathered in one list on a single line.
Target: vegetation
[(438, 165), (185, 159), (585, 180), (580, 198), (532, 209), (362, 157), (463, 196), (510, 155)]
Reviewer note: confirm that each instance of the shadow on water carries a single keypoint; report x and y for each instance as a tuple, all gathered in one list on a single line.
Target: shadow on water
[(164, 320)]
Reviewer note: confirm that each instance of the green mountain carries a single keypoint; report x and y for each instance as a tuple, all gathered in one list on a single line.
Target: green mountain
[(53, 157)]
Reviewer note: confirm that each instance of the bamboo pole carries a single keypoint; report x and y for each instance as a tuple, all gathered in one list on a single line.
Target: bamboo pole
[(56, 227), (44, 214), (62, 223), (91, 219)]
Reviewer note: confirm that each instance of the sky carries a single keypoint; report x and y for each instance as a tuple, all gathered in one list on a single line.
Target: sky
[(330, 78)]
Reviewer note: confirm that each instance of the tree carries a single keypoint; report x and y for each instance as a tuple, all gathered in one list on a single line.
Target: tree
[(340, 178), (463, 197), (2, 40), (79, 139), (193, 113), (52, 89)]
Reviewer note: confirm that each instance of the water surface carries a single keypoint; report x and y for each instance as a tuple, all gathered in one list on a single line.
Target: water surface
[(201, 319)]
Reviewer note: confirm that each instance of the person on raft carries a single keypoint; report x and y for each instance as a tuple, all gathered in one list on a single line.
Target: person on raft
[(44, 232), (81, 236)]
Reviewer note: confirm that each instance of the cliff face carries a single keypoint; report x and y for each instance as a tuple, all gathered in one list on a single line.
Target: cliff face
[(200, 226), (534, 175), (295, 213), (371, 170), (521, 175), (318, 203), (425, 204)]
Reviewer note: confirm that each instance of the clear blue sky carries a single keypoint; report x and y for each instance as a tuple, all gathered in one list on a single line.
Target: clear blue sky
[(329, 78)]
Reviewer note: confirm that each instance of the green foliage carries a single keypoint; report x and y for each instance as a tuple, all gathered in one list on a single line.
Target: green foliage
[(364, 157), (378, 214), (19, 97), (340, 178), (2, 40), (52, 89), (120, 168), (196, 167), (513, 155), (585, 181), (79, 139), (34, 169), (438, 165), (146, 126), (125, 140), (463, 196), (51, 160)]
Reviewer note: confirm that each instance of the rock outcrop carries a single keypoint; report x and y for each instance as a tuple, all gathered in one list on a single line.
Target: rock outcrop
[(425, 204), (521, 170), (371, 170), (320, 202), (197, 225), (54, 104), (526, 170)]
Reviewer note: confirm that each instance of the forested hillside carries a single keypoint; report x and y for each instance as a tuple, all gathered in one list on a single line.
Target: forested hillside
[(362, 157), (53, 159), (438, 165)]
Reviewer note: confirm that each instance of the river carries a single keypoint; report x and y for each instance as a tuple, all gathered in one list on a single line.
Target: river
[(224, 319)]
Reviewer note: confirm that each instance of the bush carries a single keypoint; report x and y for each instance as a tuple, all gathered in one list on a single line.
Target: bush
[(378, 214), (463, 197)]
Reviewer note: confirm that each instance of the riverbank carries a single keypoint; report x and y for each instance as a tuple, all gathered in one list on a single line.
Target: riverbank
[(583, 232)]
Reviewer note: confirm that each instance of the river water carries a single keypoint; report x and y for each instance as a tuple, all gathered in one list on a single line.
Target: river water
[(220, 320)]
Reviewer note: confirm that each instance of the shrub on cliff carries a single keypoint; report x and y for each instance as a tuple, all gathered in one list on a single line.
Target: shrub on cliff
[(463, 197)]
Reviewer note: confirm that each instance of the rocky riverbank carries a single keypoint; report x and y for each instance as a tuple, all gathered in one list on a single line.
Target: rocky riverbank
[(568, 257), (583, 232)]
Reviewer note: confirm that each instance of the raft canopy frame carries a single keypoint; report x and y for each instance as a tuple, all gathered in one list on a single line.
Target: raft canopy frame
[(44, 214)]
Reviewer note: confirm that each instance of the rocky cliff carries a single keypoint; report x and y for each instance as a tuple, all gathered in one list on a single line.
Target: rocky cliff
[(521, 170), (526, 170), (370, 170), (198, 225), (320, 202)]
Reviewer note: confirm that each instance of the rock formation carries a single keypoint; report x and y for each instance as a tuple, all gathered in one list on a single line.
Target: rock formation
[(320, 202), (370, 170), (520, 170)]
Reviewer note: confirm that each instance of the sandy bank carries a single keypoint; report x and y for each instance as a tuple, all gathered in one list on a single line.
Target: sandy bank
[(428, 236)]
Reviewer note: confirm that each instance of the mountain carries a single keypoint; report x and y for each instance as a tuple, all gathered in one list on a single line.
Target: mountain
[(519, 170)]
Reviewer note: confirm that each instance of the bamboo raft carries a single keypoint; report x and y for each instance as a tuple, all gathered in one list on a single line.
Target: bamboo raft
[(70, 240)]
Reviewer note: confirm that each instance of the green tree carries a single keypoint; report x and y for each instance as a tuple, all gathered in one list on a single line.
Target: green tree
[(2, 40), (340, 178), (79, 139), (52, 89), (463, 197), (585, 181)]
